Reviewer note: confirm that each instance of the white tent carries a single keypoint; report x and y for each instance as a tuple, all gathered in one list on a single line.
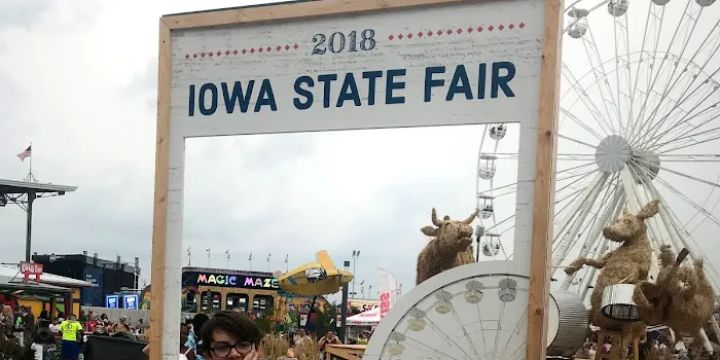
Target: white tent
[(367, 318)]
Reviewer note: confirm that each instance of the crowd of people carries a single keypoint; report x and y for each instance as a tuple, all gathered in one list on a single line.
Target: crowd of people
[(66, 333), (658, 348), (225, 335), (233, 335)]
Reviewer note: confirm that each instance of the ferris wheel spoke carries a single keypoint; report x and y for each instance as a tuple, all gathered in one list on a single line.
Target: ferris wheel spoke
[(438, 330), (499, 329), (708, 92), (647, 38), (686, 238), (656, 76), (651, 38), (583, 95), (518, 325), (576, 141), (623, 72), (647, 163), (671, 80), (599, 119), (707, 116), (497, 224), (692, 158), (689, 201), (712, 138), (690, 77), (585, 220), (704, 204), (428, 348), (465, 333), (601, 78)]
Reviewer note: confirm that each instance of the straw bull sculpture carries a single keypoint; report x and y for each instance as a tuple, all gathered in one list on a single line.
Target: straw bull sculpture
[(450, 246)]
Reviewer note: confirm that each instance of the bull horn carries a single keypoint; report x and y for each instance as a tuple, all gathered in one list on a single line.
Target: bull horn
[(472, 217), (434, 218)]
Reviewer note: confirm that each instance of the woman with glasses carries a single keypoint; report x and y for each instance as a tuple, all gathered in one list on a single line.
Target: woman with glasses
[(230, 335)]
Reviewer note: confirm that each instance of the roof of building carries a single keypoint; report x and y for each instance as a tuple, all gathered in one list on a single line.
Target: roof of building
[(15, 285), (89, 260), (21, 187), (11, 275)]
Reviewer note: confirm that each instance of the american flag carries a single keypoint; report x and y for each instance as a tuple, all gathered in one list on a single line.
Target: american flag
[(25, 154)]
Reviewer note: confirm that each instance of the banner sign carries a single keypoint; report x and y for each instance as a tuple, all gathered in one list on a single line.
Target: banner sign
[(388, 291), (192, 278), (31, 269), (458, 64)]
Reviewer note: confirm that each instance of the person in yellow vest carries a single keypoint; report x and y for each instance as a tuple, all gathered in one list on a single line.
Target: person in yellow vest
[(70, 329)]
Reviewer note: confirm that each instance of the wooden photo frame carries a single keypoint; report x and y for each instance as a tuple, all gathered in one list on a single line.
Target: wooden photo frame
[(422, 55)]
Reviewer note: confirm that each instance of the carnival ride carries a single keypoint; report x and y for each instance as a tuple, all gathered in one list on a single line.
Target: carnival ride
[(639, 120), (315, 278)]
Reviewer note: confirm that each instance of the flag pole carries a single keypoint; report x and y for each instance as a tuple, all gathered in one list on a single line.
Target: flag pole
[(30, 176)]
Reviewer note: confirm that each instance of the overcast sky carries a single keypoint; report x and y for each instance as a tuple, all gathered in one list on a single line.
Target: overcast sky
[(78, 79)]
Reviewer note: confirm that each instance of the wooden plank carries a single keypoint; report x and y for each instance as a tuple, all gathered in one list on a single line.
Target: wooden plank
[(544, 197), (162, 157), (290, 11), (348, 352)]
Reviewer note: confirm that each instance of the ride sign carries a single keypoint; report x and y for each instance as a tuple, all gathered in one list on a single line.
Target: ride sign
[(343, 65)]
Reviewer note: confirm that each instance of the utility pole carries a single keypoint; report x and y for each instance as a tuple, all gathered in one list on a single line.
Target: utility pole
[(344, 308), (355, 255)]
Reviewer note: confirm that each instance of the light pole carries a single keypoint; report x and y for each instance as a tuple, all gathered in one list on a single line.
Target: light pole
[(268, 262), (355, 255), (208, 251)]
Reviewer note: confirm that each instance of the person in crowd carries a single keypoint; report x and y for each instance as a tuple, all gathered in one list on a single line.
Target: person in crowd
[(55, 325), (44, 315), (186, 353), (6, 320), (29, 332), (82, 318), (363, 338), (140, 326), (230, 335), (103, 317), (70, 329), (302, 338), (19, 325), (193, 340), (329, 338), (122, 326)]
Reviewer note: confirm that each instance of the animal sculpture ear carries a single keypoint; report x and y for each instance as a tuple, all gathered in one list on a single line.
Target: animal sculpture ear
[(649, 210), (429, 230)]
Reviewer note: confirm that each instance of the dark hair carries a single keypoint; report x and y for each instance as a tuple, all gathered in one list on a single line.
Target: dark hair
[(232, 322), (198, 321)]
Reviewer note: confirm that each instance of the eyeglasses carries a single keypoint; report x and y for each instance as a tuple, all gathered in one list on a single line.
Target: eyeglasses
[(222, 349)]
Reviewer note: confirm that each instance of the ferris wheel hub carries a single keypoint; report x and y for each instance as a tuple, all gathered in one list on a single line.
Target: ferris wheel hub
[(613, 153)]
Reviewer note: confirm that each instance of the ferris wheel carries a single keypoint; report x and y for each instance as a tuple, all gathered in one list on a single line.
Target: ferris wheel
[(639, 120)]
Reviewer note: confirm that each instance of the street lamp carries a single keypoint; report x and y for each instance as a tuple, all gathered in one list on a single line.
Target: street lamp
[(355, 255)]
